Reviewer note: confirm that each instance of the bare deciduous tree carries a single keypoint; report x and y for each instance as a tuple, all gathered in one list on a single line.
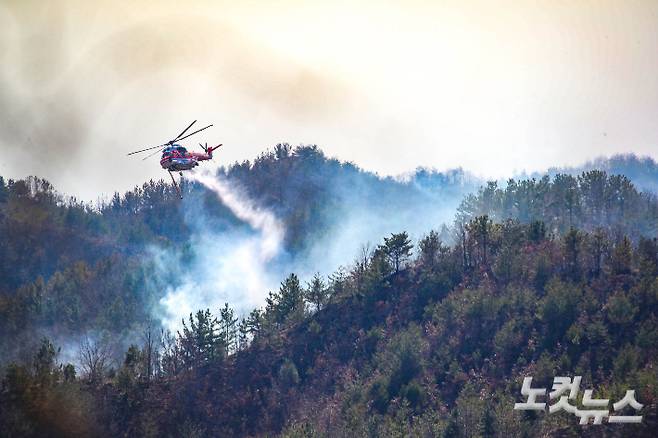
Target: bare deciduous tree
[(151, 353), (94, 357)]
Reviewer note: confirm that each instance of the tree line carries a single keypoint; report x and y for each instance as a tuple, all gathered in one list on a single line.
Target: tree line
[(421, 338)]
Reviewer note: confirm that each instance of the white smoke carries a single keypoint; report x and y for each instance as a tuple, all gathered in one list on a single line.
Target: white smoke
[(240, 266), (228, 267), (271, 229)]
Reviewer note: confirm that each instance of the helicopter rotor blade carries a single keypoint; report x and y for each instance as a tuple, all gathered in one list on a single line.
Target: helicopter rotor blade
[(188, 135), (148, 149), (154, 153), (172, 141), (184, 131)]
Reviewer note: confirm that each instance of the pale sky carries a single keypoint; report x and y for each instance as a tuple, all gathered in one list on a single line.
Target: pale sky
[(494, 87)]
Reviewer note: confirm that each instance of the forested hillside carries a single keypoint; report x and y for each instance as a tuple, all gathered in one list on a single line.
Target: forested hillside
[(69, 267), (423, 336), (643, 171), (593, 200)]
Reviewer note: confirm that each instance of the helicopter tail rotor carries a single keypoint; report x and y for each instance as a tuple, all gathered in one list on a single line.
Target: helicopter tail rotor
[(210, 149)]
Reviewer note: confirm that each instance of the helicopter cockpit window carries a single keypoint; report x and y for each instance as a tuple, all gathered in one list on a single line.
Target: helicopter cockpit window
[(182, 150)]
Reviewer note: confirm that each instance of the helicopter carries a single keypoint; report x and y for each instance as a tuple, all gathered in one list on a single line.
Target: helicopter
[(176, 158)]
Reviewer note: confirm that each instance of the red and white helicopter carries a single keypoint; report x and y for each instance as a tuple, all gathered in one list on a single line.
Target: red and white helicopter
[(176, 158)]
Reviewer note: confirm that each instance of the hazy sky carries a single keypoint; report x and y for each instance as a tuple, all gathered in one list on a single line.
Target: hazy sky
[(491, 86)]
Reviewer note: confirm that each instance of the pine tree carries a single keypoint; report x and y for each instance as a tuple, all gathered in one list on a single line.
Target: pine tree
[(572, 253), (480, 228), (201, 342), (316, 292), (397, 249), (45, 363), (288, 302), (622, 257), (430, 247), (228, 329)]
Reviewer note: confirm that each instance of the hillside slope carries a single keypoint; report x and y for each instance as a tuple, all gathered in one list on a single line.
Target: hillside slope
[(429, 336)]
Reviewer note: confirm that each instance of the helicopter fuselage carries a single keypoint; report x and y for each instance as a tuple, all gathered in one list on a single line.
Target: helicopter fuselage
[(178, 164), (176, 158)]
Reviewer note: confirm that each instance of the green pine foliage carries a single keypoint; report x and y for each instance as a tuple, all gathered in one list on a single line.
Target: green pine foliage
[(426, 337)]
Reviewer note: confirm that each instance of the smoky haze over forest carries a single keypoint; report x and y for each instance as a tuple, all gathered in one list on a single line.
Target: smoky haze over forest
[(491, 89), (344, 213), (100, 280), (417, 205), (236, 236), (353, 212)]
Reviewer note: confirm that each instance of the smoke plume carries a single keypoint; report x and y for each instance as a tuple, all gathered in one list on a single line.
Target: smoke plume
[(262, 220), (227, 267)]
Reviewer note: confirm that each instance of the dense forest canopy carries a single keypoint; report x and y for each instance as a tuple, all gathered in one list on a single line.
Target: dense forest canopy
[(69, 267), (590, 201), (427, 333)]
